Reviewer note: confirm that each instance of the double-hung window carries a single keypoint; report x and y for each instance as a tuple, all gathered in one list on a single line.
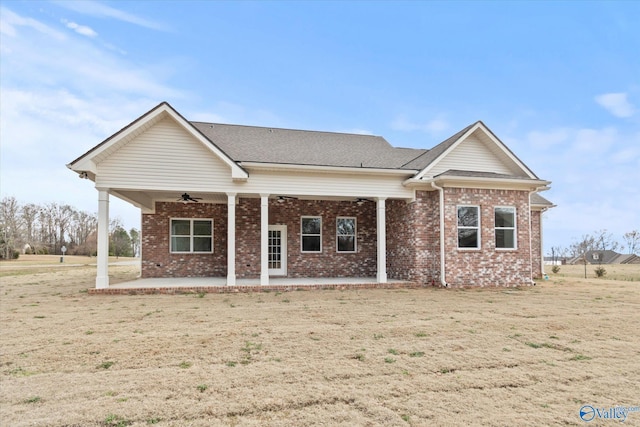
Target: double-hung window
[(505, 223), (191, 236), (468, 227), (311, 233), (346, 234)]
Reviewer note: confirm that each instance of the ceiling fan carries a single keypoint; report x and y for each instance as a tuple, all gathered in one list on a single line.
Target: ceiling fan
[(186, 198)]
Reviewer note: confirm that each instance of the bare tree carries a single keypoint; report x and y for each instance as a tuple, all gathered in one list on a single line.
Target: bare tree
[(587, 243), (604, 241), (81, 229), (10, 227), (632, 240), (29, 219)]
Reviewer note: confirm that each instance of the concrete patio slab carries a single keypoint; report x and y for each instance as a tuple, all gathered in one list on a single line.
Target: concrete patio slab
[(219, 285)]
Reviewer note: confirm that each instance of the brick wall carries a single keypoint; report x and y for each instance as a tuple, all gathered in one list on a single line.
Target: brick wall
[(328, 263), (536, 243), (158, 262), (413, 239), (487, 266)]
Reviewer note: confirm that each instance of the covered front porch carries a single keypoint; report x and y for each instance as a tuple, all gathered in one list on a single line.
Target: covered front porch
[(197, 285), (244, 248)]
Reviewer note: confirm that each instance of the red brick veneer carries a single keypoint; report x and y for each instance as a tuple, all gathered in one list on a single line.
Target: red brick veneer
[(487, 266), (413, 240), (158, 262)]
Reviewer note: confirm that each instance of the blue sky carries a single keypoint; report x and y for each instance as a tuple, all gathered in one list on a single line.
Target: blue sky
[(558, 82)]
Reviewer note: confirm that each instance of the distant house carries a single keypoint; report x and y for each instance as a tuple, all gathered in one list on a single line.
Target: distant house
[(232, 201), (604, 257)]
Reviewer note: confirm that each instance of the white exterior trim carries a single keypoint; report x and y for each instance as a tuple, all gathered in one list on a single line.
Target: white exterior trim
[(102, 275), (89, 161), (499, 144), (282, 271), (381, 235), (231, 239), (515, 228), (327, 169), (264, 239)]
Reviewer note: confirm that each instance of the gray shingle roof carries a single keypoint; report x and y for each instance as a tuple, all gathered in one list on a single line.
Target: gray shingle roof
[(537, 199), (429, 156), (289, 146), (477, 174)]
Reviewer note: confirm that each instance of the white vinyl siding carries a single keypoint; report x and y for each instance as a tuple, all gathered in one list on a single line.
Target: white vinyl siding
[(326, 184), (164, 157), (471, 155)]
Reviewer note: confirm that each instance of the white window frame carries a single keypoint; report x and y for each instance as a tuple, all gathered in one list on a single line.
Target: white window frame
[(302, 235), (514, 228), (355, 235), (478, 229), (191, 235)]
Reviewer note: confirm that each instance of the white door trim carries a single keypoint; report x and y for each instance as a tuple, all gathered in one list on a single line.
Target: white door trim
[(282, 270)]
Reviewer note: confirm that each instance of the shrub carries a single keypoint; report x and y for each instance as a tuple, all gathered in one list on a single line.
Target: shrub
[(555, 269), (600, 272)]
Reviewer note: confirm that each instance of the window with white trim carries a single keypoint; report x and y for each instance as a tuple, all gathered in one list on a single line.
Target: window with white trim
[(468, 227), (191, 235), (311, 234), (505, 223), (346, 234)]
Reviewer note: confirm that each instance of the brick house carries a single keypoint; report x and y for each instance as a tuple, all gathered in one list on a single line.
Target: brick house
[(221, 200)]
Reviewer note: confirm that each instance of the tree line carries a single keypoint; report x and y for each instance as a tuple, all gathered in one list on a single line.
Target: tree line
[(601, 240), (44, 229)]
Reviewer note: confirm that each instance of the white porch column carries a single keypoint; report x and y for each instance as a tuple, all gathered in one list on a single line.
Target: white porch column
[(102, 276), (264, 239), (381, 217), (231, 239)]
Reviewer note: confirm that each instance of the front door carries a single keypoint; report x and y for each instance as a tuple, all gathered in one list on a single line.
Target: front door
[(277, 250)]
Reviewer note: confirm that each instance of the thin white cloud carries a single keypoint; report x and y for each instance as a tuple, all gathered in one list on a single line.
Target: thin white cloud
[(60, 96), (80, 29), (594, 141), (547, 139), (10, 21), (433, 126), (617, 104), (101, 10)]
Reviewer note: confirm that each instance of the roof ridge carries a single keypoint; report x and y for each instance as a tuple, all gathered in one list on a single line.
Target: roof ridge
[(289, 129)]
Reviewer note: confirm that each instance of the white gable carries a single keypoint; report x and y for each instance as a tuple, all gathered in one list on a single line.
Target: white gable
[(478, 151), (163, 157), (472, 155)]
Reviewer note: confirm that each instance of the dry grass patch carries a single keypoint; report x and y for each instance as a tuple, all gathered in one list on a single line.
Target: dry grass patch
[(526, 356)]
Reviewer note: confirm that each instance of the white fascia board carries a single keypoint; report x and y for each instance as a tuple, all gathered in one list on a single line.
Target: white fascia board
[(326, 169), (84, 165), (478, 182), (537, 207)]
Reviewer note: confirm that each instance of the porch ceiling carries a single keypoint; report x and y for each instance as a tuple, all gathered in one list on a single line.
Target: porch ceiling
[(145, 200)]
